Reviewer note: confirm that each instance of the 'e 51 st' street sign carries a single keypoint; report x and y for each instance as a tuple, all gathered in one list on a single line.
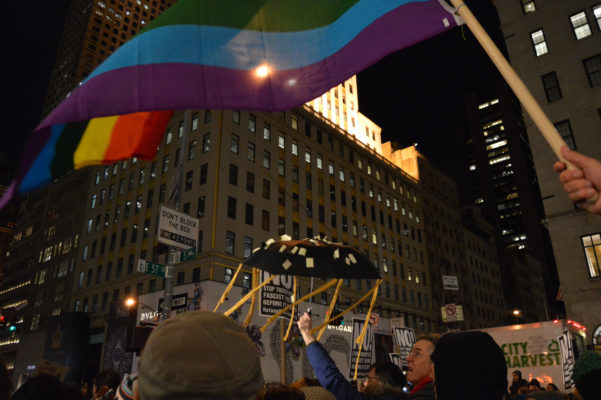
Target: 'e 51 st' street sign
[(177, 229), (148, 267)]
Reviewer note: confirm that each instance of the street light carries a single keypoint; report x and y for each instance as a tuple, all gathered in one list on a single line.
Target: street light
[(131, 301)]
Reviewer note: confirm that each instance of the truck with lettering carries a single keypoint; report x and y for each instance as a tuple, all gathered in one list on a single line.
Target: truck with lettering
[(545, 351)]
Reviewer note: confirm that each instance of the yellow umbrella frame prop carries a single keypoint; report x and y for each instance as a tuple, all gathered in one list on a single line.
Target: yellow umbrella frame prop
[(321, 328)]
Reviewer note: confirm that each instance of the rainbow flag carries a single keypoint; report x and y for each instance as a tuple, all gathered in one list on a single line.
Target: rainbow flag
[(252, 54)]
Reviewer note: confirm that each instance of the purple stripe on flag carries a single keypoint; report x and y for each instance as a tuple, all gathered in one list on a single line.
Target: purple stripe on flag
[(181, 86)]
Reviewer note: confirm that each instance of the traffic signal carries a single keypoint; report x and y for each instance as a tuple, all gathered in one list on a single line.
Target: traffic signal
[(12, 328)]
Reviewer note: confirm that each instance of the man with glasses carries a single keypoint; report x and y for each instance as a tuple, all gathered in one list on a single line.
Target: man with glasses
[(384, 381), (420, 368)]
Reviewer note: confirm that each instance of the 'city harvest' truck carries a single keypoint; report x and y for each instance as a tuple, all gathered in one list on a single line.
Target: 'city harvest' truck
[(545, 351)]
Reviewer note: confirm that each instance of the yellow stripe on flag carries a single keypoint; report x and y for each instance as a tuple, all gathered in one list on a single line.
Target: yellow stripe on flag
[(94, 142)]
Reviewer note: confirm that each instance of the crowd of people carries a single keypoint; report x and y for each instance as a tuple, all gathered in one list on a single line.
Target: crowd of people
[(204, 355)]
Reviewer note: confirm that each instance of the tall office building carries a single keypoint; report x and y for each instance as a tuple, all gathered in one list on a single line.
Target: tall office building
[(460, 245), (93, 30), (554, 47), (502, 181)]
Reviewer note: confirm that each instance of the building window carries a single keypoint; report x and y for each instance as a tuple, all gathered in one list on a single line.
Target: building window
[(165, 163), (248, 247), (597, 14), (539, 42), (208, 116), (565, 130), (580, 25), (229, 273), (592, 66), (192, 150), (234, 144), (265, 220), (266, 189), (252, 123), (246, 280), (528, 6), (201, 206), (249, 214), (281, 142), (236, 117), (231, 207), (294, 122), (267, 132), (281, 167), (551, 85), (169, 136), (206, 142), (189, 177), (204, 170), (250, 182), (266, 159), (194, 122), (592, 251), (294, 147), (229, 242), (251, 152), (233, 178), (181, 277)]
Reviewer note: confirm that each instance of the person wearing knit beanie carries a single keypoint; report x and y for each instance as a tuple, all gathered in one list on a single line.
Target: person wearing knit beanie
[(587, 376), (469, 366), (317, 393), (199, 355)]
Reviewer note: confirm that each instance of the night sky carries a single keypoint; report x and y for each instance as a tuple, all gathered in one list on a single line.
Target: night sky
[(414, 95)]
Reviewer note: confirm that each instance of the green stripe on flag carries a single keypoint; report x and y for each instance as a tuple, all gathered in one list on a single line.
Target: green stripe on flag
[(258, 15)]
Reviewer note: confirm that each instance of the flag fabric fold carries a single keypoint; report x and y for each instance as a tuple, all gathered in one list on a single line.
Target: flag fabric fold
[(265, 55)]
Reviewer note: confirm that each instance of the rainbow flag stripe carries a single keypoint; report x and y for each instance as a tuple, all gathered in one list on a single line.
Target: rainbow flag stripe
[(252, 54)]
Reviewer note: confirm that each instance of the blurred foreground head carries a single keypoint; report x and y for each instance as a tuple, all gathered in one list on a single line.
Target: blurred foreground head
[(199, 354), (469, 365), (587, 376)]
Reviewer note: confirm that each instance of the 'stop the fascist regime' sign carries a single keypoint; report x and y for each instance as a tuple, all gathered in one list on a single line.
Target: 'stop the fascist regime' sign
[(177, 229)]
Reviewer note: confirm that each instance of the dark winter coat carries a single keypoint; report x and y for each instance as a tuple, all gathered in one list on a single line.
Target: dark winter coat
[(330, 377)]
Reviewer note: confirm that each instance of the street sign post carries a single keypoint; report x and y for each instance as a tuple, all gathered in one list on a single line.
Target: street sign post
[(181, 256), (151, 268), (177, 229)]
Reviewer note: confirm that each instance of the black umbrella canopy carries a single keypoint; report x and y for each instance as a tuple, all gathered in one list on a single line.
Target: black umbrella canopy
[(312, 257)]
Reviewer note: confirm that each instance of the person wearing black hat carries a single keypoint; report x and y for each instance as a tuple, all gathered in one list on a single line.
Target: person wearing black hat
[(517, 382), (469, 366)]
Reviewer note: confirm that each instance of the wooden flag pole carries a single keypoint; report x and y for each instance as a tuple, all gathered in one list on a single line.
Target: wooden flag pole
[(533, 109)]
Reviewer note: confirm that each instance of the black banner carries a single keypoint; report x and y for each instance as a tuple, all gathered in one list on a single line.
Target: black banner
[(121, 322)]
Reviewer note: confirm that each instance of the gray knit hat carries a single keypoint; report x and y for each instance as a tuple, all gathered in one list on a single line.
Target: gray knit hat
[(196, 355), (317, 393)]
